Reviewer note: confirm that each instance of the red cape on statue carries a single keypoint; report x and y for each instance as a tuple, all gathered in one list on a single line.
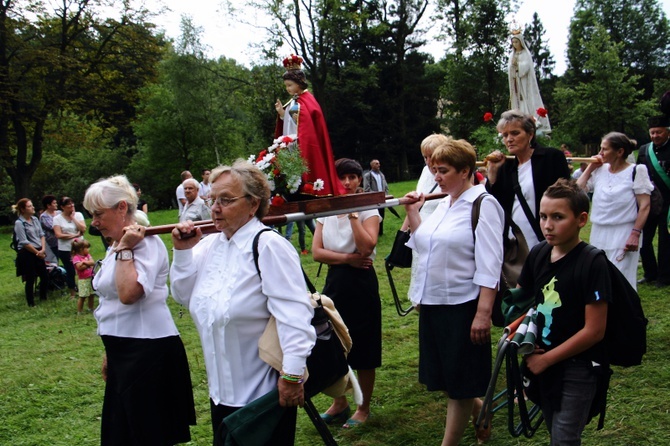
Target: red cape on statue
[(315, 148)]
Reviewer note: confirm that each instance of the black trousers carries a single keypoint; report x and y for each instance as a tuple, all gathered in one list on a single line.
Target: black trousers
[(653, 269), (66, 259)]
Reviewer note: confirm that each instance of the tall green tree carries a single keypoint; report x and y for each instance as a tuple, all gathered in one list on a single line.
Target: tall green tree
[(609, 101), (198, 115), (534, 35), (640, 26), (476, 80), (65, 57)]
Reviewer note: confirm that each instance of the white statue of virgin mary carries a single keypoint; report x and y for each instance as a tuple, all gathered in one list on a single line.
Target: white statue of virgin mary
[(523, 90)]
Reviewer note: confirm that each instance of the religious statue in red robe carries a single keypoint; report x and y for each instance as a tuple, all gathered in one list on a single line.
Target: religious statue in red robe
[(302, 116)]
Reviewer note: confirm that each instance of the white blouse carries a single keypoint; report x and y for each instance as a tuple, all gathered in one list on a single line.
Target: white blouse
[(451, 268), (614, 200), (149, 317), (425, 186), (67, 227), (337, 234), (218, 282), (528, 191)]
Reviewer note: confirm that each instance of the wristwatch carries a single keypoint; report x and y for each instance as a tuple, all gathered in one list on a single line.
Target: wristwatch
[(125, 254), (353, 215)]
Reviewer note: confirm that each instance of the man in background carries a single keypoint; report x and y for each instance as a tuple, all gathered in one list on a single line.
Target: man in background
[(181, 198), (658, 271), (375, 181), (195, 208), (205, 187)]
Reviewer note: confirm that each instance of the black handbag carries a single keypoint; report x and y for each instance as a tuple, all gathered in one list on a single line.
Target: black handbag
[(327, 362), (401, 255), (514, 256)]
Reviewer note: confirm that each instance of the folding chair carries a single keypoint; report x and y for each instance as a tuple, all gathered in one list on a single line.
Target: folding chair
[(398, 305), (531, 418)]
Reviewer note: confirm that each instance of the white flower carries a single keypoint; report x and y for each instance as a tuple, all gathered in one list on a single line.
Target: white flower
[(294, 183), (252, 159), (272, 184), (265, 162), (318, 184)]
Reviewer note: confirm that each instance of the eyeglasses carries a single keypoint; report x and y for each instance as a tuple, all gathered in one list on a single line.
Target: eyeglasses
[(227, 201)]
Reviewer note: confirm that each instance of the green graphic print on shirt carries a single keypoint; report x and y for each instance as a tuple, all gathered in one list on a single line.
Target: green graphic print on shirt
[(552, 300)]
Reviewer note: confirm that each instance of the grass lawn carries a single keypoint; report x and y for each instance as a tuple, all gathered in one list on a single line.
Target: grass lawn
[(51, 391)]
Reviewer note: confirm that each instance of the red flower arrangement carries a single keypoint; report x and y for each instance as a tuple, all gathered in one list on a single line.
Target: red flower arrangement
[(488, 116), (277, 200), (541, 112)]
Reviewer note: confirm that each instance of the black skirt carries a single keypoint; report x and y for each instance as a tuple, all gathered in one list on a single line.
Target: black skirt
[(355, 292), (148, 396), (448, 360)]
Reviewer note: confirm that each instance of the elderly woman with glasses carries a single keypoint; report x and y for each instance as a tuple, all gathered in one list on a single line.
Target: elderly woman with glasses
[(217, 279), (148, 393)]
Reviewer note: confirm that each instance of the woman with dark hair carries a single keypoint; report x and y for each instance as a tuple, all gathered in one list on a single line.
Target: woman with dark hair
[(302, 116), (68, 226), (30, 262), (50, 206), (519, 184), (141, 204), (621, 201), (346, 243)]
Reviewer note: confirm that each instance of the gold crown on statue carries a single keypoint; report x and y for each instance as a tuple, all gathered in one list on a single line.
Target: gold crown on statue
[(514, 29), (293, 62)]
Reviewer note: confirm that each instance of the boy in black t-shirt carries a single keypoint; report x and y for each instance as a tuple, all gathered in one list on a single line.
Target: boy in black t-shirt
[(572, 317)]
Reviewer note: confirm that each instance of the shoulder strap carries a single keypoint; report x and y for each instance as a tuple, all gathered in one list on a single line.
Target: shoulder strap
[(14, 244), (254, 248), (476, 210), (524, 205), (540, 251)]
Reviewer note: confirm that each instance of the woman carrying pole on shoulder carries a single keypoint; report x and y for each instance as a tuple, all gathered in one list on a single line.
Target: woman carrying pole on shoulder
[(458, 273), (148, 392), (231, 303)]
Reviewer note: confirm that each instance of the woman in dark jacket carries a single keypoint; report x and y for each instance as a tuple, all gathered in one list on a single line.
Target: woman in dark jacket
[(534, 169)]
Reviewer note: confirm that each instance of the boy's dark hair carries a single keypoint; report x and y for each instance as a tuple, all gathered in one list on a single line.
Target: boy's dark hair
[(568, 189)]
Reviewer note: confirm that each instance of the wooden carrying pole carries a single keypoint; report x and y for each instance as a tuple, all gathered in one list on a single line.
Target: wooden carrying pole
[(570, 158), (309, 209), (324, 207)]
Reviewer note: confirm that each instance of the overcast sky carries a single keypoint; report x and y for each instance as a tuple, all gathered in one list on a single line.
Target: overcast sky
[(228, 38)]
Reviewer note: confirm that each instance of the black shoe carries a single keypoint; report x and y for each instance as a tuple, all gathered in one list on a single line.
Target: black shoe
[(645, 280)]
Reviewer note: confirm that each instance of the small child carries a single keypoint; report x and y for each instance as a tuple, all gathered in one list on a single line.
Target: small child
[(83, 264), (570, 357)]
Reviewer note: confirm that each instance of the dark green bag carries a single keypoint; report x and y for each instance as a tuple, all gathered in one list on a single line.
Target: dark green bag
[(515, 303)]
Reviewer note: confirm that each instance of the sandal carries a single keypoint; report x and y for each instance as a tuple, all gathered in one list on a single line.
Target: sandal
[(337, 418), (352, 423)]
